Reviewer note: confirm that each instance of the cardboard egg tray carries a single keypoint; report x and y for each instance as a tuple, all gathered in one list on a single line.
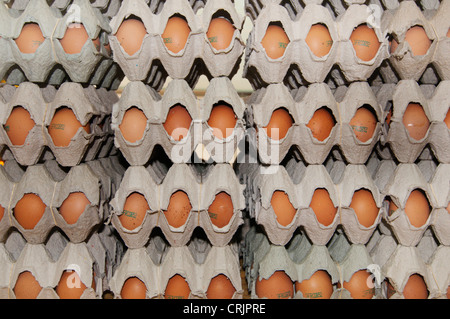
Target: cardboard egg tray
[(197, 57), (50, 64), (198, 262), (53, 185), (94, 260), (301, 104), (156, 107), (88, 104), (201, 188)]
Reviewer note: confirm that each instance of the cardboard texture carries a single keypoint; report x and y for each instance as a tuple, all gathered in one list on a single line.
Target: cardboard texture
[(197, 50), (201, 190), (155, 107)]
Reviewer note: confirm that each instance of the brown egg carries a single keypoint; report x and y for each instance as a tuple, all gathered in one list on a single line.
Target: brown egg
[(319, 40), (176, 34), (27, 287), (417, 39), (358, 285), (18, 125), (448, 33), (220, 287), (73, 206), (416, 121), (417, 208), (365, 42), (178, 122), (130, 35), (388, 118), (277, 286), (221, 210), (30, 38), (363, 124), (323, 206), (178, 210), (70, 286), (2, 212), (279, 124), (282, 207), (29, 210), (222, 120), (220, 33), (448, 208), (177, 288), (415, 288), (365, 208), (318, 286), (133, 288), (275, 41), (133, 125), (64, 126), (75, 38), (447, 119), (134, 211), (321, 123)]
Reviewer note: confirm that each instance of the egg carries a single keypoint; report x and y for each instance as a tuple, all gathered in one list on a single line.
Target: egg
[(29, 210), (318, 286), (73, 206), (448, 209), (133, 288), (220, 287), (130, 35), (323, 206), (417, 208), (282, 207), (63, 127), (448, 33), (388, 118), (222, 120), (134, 211), (279, 124), (416, 121), (220, 33), (221, 210), (321, 123), (275, 41), (363, 124), (70, 285), (365, 42), (417, 39), (75, 38), (178, 210), (178, 122), (365, 208), (319, 40), (177, 288), (30, 38), (277, 286), (176, 33), (133, 125), (26, 287), (447, 119), (2, 212), (18, 125), (358, 285), (415, 288)]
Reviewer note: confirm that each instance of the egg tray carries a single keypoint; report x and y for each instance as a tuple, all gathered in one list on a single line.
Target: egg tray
[(197, 262), (53, 185), (201, 188), (88, 104), (300, 259), (95, 260), (156, 107), (196, 58), (299, 66), (50, 64)]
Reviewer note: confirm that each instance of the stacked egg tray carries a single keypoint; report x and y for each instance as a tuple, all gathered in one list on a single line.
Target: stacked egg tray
[(390, 164), (90, 105), (153, 62), (88, 246), (50, 63)]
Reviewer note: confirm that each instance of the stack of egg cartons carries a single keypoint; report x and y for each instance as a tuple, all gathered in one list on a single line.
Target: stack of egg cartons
[(55, 199), (164, 169), (389, 165)]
